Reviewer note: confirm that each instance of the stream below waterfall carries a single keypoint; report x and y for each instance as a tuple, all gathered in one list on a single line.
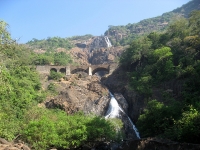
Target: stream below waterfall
[(115, 111)]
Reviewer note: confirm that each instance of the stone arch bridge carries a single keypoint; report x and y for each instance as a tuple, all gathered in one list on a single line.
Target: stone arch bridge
[(70, 69)]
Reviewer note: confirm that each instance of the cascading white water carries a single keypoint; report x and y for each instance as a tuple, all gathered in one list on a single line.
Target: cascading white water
[(134, 128), (113, 112), (107, 41)]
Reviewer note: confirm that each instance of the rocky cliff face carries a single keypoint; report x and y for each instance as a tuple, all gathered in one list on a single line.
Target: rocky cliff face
[(80, 93), (100, 42), (80, 56), (96, 50), (95, 42), (105, 55)]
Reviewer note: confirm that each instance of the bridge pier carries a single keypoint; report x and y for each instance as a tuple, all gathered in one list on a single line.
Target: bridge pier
[(68, 71), (90, 71)]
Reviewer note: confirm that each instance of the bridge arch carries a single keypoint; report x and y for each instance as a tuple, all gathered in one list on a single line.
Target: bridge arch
[(53, 69), (100, 69), (70, 69), (62, 70), (78, 70)]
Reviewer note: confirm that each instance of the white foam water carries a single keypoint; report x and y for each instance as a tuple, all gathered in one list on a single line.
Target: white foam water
[(107, 41), (113, 112)]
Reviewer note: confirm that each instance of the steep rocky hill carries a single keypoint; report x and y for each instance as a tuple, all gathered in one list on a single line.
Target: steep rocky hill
[(89, 49), (123, 35)]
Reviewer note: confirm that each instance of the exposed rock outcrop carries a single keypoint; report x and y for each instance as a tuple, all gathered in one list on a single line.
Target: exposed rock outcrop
[(105, 55), (5, 145), (99, 42), (96, 50), (80, 55), (80, 94), (121, 101)]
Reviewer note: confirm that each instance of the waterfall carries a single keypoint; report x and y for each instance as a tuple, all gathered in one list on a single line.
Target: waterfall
[(114, 112), (107, 41), (134, 128)]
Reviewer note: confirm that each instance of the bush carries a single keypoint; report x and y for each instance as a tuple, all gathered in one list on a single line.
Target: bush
[(51, 87), (41, 133), (53, 128), (55, 75), (157, 118), (187, 128)]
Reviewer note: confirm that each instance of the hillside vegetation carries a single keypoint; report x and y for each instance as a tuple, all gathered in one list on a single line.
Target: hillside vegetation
[(41, 128), (55, 50), (160, 57), (123, 35), (50, 44)]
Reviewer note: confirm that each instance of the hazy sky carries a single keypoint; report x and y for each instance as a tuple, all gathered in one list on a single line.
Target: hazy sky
[(64, 18)]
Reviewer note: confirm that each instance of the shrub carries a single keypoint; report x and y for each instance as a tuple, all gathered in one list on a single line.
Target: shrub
[(53, 128), (55, 75)]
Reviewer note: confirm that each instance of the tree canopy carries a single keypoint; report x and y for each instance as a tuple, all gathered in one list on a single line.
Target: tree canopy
[(159, 58), (50, 44), (20, 93)]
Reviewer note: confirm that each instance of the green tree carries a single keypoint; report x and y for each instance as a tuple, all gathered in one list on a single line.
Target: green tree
[(43, 59), (50, 44), (163, 67), (53, 128), (155, 38), (55, 75), (158, 118), (137, 52), (186, 129), (194, 22), (62, 58), (4, 34), (178, 28)]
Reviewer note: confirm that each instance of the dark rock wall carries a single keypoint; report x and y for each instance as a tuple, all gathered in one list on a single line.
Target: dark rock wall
[(157, 144)]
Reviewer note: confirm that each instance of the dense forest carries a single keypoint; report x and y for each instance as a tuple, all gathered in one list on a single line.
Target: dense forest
[(161, 57), (20, 116)]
